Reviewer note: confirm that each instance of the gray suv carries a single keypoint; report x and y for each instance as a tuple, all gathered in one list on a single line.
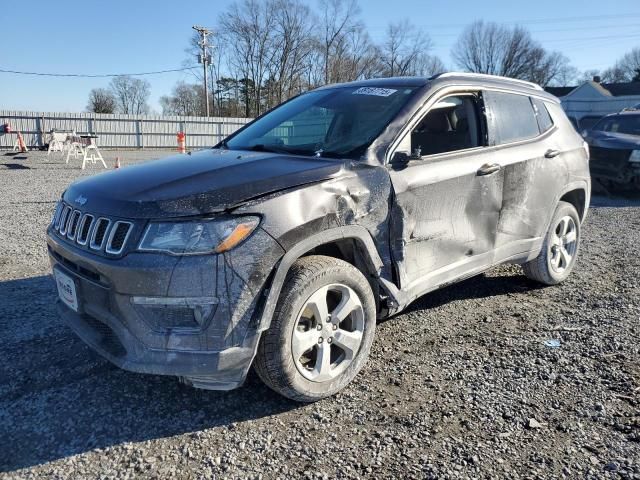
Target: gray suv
[(282, 245)]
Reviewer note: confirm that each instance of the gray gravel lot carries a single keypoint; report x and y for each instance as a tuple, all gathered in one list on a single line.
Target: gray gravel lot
[(460, 386)]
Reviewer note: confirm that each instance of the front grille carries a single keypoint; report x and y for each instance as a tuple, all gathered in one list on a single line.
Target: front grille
[(56, 213), (99, 234), (118, 237), (73, 224), (85, 227), (64, 219), (609, 154), (97, 240)]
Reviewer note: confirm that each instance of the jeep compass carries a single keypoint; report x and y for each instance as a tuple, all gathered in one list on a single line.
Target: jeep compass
[(280, 247)]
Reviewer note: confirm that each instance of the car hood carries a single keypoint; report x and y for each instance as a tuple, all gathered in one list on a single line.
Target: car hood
[(613, 140), (204, 182)]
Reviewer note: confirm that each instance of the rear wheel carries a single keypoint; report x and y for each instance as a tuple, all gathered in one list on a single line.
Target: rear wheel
[(321, 331), (560, 249)]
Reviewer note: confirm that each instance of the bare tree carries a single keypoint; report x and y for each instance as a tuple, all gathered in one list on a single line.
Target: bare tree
[(402, 49), (567, 76), (626, 69), (511, 52), (186, 99), (294, 44), (431, 65), (249, 26), (338, 21), (550, 68), (101, 100), (360, 57), (131, 94)]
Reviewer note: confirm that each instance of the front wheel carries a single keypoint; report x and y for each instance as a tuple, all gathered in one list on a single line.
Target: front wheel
[(321, 331), (560, 249)]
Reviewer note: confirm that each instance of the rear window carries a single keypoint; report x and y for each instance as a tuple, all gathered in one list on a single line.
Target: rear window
[(542, 114), (512, 117), (628, 124)]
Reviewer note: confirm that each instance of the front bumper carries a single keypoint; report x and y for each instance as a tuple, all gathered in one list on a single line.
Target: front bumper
[(215, 352), (613, 164)]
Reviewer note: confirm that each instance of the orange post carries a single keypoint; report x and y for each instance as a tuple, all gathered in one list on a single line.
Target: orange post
[(182, 145), (21, 144)]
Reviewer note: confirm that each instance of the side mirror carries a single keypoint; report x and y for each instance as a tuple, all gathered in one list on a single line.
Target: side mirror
[(406, 157), (401, 158)]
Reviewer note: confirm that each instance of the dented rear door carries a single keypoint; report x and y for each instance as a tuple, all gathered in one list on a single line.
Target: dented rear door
[(534, 172)]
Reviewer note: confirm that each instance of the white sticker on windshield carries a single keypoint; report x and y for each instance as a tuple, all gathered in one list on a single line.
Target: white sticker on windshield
[(378, 92)]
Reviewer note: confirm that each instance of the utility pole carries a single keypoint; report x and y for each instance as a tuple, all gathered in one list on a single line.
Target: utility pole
[(205, 59)]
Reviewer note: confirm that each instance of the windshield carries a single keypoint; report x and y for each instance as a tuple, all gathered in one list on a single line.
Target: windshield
[(628, 124), (340, 122)]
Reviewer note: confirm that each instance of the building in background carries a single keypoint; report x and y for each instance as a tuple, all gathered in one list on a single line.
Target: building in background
[(591, 101)]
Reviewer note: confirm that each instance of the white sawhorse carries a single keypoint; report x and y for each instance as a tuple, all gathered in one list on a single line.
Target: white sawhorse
[(85, 148), (74, 149), (92, 154), (55, 145)]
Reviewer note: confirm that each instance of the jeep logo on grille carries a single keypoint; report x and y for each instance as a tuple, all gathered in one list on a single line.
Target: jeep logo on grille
[(81, 200)]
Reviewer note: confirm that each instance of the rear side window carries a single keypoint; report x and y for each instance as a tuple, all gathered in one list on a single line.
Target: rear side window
[(511, 118), (542, 114)]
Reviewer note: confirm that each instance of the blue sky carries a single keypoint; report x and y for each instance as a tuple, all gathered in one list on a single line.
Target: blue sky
[(116, 36)]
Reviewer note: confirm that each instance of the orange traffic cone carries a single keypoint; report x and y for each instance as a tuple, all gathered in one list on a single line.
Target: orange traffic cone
[(21, 144), (182, 145), (117, 163)]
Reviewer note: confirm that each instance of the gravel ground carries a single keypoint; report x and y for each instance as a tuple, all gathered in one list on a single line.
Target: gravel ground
[(460, 386)]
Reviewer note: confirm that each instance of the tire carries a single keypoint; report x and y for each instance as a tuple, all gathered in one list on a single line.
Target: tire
[(291, 352), (559, 250)]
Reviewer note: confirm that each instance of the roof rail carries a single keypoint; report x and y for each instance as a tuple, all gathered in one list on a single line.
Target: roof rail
[(488, 77)]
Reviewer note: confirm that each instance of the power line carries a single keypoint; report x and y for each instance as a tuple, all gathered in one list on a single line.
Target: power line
[(566, 41), (554, 30), (603, 37), (525, 21), (97, 75)]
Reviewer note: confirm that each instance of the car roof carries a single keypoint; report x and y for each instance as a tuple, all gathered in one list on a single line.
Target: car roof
[(382, 82), (623, 113), (629, 111), (452, 78)]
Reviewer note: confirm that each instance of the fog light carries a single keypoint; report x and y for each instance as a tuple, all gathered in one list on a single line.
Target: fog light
[(175, 312)]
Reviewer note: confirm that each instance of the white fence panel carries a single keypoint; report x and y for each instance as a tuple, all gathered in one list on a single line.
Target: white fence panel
[(119, 130)]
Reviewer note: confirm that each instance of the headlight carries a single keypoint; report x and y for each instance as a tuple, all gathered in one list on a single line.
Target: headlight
[(635, 156), (197, 236)]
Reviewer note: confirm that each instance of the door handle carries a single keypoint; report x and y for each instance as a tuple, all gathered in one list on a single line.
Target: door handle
[(551, 153), (487, 169)]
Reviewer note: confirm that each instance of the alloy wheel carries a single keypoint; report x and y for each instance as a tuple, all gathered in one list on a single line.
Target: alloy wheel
[(563, 244), (328, 333)]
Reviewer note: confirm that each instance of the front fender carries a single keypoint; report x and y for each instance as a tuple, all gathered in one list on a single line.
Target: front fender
[(354, 232)]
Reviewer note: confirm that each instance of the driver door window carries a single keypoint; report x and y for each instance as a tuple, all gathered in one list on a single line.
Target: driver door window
[(451, 125)]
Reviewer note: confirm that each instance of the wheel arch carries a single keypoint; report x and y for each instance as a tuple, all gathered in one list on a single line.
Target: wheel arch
[(364, 257), (578, 197)]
